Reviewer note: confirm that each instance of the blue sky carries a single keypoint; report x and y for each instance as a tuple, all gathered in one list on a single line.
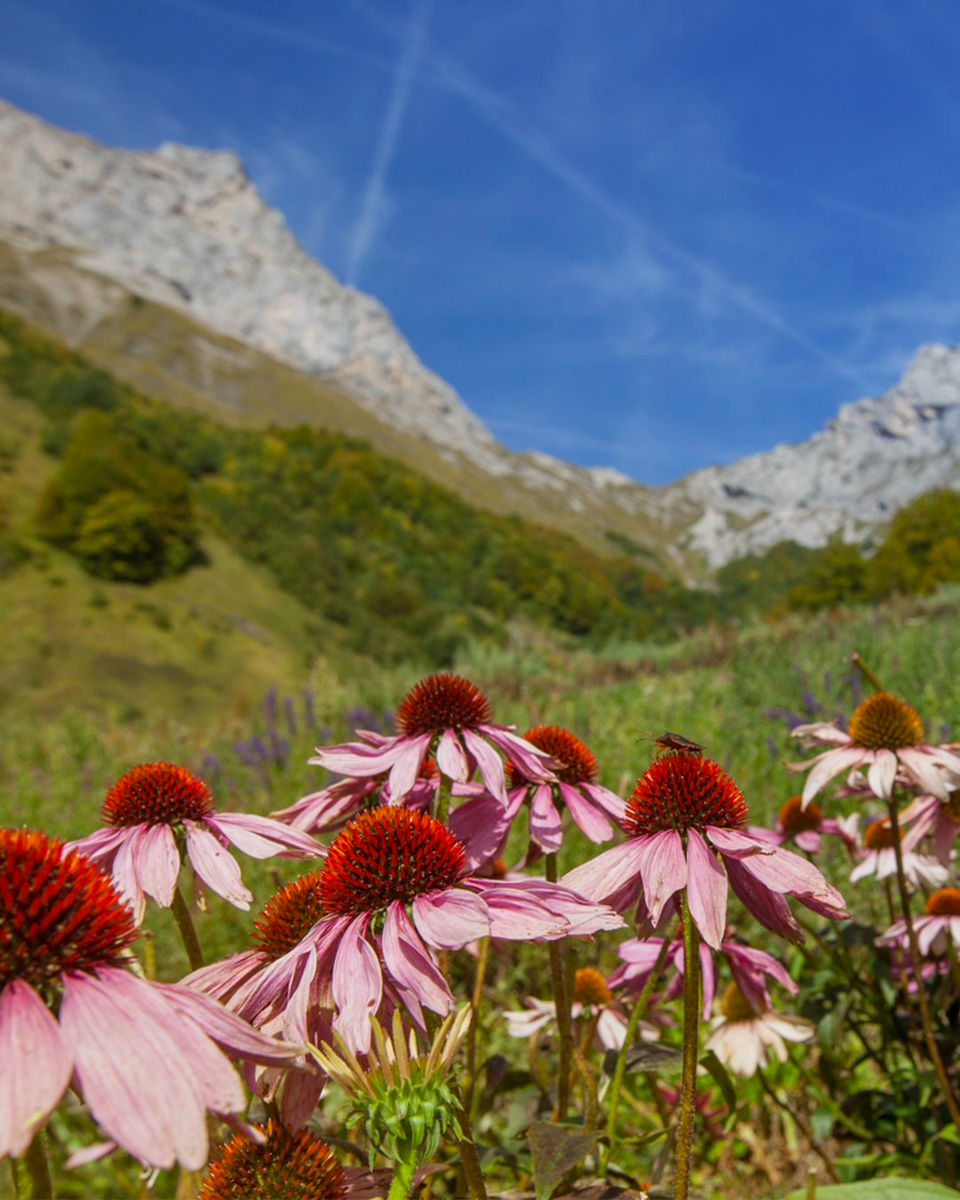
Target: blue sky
[(648, 235)]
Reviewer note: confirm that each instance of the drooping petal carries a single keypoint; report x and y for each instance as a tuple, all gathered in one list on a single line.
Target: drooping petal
[(490, 764), (706, 890), (101, 844), (146, 1076), (35, 1066), (357, 985), (156, 862), (216, 867), (234, 1035), (924, 770), (262, 837), (828, 765), (881, 773), (663, 869), (739, 843), (603, 876), (406, 768), (545, 825), (451, 759), (784, 871), (709, 977), (609, 801), (125, 875), (450, 919), (591, 822), (409, 961), (526, 1022), (770, 908), (534, 763), (481, 826), (357, 758)]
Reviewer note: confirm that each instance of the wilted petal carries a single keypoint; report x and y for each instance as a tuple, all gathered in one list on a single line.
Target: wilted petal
[(216, 867), (706, 890), (450, 919), (829, 765), (36, 1066), (592, 823)]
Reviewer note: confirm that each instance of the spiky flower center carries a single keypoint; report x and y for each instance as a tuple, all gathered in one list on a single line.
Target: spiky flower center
[(794, 819), (878, 835), (883, 722), (157, 793), (577, 764), (442, 702), (389, 854), (58, 911), (589, 987), (735, 1006), (288, 916), (944, 903), (288, 1166), (684, 791)]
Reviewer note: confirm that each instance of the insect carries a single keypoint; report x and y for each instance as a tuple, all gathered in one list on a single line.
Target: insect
[(674, 741)]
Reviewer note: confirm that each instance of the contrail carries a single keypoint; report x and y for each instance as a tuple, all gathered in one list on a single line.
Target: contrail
[(373, 204)]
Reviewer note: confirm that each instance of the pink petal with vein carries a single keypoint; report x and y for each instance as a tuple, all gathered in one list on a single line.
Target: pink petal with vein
[(881, 773), (125, 875), (606, 874), (663, 869), (770, 908), (406, 768), (545, 825), (355, 758), (589, 821), (490, 764), (262, 837), (828, 765), (216, 867), (36, 1066), (157, 862), (357, 985), (924, 771), (233, 1034), (609, 801), (450, 919), (533, 763), (734, 843), (481, 826), (706, 890), (451, 759), (101, 843), (409, 961)]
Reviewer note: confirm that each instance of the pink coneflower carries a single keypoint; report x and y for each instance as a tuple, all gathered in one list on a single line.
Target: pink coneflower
[(593, 1005), (886, 737), (286, 1164), (448, 717), (807, 826), (575, 788), (879, 858), (940, 921), (155, 805), (940, 819), (745, 1033), (144, 1056), (747, 966), (395, 886), (685, 823), (335, 804)]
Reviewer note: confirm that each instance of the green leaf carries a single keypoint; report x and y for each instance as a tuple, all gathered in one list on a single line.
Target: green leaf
[(555, 1149), (881, 1189), (721, 1078)]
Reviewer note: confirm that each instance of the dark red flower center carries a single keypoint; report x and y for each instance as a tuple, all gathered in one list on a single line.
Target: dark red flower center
[(442, 702), (684, 791), (577, 764), (288, 1166), (794, 819), (884, 722), (389, 854), (157, 793), (58, 911), (944, 903), (878, 835), (289, 915)]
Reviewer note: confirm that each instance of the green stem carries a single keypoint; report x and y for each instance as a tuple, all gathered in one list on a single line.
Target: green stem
[(470, 1090), (931, 1043), (865, 671), (470, 1161), (187, 932), (561, 999), (691, 1048), (401, 1185), (443, 799), (37, 1169), (618, 1072)]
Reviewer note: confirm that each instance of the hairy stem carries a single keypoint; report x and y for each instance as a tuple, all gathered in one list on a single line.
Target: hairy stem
[(561, 999), (401, 1185), (942, 1078), (631, 1032), (691, 1047), (37, 1169), (187, 932)]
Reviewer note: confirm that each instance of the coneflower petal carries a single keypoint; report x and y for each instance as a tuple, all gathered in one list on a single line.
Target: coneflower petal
[(663, 869), (451, 759), (591, 823), (706, 890), (451, 919), (409, 961), (261, 837), (545, 825), (36, 1066), (357, 985), (156, 861), (489, 762), (217, 868)]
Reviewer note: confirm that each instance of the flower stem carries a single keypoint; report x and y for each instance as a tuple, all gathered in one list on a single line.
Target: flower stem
[(865, 671), (469, 1159), (691, 1046), (617, 1082), (37, 1169), (469, 1091), (942, 1077), (561, 999), (401, 1185), (187, 932), (443, 799)]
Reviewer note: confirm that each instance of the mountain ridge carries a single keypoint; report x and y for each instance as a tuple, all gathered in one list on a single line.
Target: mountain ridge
[(186, 229)]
